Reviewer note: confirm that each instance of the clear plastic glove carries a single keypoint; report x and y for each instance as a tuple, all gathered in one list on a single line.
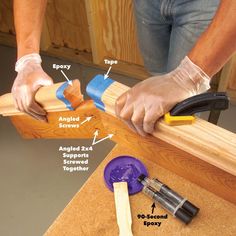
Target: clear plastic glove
[(29, 79), (142, 106)]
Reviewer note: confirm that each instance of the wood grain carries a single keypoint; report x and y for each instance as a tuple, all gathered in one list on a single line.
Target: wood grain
[(154, 149), (176, 159), (6, 17), (228, 76), (7, 39), (67, 24), (46, 97), (45, 41), (108, 25), (30, 128), (123, 213), (232, 73), (204, 140), (73, 94), (232, 94), (92, 209), (228, 79)]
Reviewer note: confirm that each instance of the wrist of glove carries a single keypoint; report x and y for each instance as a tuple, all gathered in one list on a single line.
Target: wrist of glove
[(142, 106), (29, 79), (33, 58), (191, 77)]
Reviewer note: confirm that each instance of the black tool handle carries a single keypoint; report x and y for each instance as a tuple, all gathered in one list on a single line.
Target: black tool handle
[(202, 102)]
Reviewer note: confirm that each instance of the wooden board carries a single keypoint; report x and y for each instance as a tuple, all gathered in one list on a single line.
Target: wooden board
[(6, 17), (204, 153), (203, 140), (228, 75), (67, 24), (228, 79), (123, 213), (231, 77), (48, 98), (92, 209), (154, 149), (176, 159), (30, 128), (112, 31)]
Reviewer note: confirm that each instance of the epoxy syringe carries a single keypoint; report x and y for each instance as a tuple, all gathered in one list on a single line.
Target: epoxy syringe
[(170, 194), (177, 201), (165, 203)]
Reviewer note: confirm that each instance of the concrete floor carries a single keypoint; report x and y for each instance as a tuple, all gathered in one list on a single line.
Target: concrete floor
[(34, 188)]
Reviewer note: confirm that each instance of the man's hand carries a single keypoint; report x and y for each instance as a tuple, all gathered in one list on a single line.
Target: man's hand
[(141, 106), (29, 79)]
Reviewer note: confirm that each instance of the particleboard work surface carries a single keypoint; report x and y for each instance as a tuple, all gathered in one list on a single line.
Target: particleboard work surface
[(92, 210)]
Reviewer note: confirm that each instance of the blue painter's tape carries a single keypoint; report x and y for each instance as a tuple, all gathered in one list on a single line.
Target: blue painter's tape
[(60, 95), (95, 89)]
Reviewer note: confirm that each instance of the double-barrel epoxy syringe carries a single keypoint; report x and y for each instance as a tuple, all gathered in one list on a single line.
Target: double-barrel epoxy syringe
[(178, 206)]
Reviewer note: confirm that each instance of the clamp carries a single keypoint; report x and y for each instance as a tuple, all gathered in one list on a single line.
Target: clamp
[(183, 112)]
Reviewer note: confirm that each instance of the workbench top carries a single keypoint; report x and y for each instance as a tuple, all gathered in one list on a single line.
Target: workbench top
[(92, 210)]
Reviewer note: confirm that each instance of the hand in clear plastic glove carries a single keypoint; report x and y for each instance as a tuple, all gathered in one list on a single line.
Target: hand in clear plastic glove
[(142, 106), (29, 79)]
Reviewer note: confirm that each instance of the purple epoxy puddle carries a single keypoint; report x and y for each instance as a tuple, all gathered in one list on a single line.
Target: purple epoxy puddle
[(125, 169)]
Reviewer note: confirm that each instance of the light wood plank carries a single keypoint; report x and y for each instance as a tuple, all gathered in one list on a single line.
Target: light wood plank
[(204, 140), (123, 213), (175, 159)]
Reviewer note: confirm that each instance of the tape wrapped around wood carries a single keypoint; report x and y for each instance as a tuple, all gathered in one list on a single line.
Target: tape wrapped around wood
[(95, 89)]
